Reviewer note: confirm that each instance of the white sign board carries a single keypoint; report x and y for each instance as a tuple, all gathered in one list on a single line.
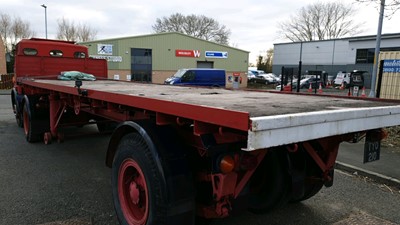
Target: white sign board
[(104, 49)]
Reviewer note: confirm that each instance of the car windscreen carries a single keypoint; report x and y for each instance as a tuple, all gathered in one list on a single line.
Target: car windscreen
[(180, 73)]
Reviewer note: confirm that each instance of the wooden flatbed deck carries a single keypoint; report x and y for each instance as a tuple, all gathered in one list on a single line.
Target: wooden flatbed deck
[(255, 103)]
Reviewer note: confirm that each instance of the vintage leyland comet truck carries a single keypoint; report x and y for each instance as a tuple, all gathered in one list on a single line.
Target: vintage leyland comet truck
[(178, 154)]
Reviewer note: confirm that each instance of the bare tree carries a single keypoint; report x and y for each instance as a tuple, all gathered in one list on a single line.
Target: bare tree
[(86, 33), (13, 30), (320, 21), (5, 26), (194, 25), (391, 6), (20, 29), (67, 30)]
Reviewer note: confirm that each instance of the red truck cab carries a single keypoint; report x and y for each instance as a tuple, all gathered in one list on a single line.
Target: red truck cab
[(48, 58)]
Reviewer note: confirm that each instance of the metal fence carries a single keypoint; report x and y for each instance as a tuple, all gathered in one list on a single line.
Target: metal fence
[(6, 81)]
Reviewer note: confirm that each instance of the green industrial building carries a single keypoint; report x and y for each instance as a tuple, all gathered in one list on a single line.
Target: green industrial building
[(155, 57)]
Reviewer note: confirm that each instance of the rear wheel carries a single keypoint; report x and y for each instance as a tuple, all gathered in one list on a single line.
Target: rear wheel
[(313, 178), (17, 110), (138, 196), (35, 119), (28, 124), (270, 184)]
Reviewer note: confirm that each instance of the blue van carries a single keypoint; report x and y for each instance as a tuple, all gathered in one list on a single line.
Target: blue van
[(198, 77)]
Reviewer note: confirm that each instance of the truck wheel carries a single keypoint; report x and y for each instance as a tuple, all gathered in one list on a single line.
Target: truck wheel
[(270, 184), (138, 196), (310, 189), (29, 127), (313, 182), (17, 110)]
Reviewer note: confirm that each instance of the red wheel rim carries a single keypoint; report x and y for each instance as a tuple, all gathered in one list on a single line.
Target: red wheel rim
[(26, 121), (133, 193)]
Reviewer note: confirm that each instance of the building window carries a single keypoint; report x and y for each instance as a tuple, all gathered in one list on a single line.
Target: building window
[(364, 56)]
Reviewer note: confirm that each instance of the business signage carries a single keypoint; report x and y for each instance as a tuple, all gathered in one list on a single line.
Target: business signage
[(215, 54), (109, 58), (187, 53), (391, 66), (104, 49)]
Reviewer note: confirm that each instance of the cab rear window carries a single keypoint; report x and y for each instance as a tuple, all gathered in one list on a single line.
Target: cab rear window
[(30, 51), (80, 55), (56, 53)]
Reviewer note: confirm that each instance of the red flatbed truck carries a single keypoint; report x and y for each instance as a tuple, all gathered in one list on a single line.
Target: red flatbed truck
[(178, 154)]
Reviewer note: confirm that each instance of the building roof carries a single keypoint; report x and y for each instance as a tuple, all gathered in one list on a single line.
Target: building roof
[(356, 38)]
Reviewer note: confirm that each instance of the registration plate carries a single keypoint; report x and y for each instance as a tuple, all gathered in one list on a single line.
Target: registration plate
[(372, 148)]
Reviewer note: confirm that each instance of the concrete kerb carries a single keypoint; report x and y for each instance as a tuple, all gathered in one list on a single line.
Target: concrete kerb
[(5, 91), (366, 173)]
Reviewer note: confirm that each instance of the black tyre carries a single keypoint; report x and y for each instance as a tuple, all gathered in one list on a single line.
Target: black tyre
[(270, 184), (139, 198), (17, 110), (29, 125), (35, 119), (313, 180)]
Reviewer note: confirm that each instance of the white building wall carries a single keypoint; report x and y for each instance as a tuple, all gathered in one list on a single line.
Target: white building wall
[(316, 52), (342, 53), (287, 53)]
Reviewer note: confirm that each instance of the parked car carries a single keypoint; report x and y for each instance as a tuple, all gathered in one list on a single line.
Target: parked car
[(198, 77), (294, 82), (277, 77), (354, 78), (305, 83), (264, 79), (342, 78), (357, 78), (251, 75)]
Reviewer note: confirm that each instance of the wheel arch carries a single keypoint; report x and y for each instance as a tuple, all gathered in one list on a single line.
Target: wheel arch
[(124, 128)]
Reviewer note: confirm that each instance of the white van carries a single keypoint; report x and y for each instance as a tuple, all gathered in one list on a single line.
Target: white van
[(342, 77)]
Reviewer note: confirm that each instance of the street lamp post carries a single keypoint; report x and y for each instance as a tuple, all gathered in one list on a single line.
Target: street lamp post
[(45, 17), (377, 49)]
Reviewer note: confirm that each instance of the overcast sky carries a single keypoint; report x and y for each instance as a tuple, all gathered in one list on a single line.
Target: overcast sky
[(253, 23)]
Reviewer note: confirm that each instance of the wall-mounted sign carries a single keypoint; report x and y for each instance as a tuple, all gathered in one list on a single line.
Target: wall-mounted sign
[(109, 58), (187, 53), (215, 54), (391, 66), (104, 49)]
